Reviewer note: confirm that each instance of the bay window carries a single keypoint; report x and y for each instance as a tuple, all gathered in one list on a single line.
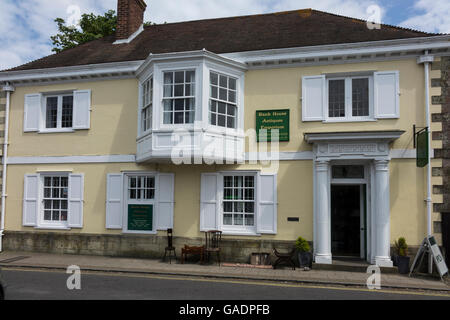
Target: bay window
[(193, 103)]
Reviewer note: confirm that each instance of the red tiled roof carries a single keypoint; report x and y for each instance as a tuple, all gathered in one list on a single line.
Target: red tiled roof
[(289, 29)]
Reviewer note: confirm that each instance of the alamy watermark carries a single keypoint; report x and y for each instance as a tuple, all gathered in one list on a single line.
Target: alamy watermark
[(374, 280), (74, 280), (374, 17)]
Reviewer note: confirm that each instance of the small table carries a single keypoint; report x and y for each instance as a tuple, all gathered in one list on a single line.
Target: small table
[(192, 250)]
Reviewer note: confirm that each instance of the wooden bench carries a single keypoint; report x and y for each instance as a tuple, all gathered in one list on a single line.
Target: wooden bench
[(192, 250)]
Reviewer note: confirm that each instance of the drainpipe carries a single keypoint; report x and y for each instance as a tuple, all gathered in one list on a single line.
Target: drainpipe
[(8, 88), (427, 60)]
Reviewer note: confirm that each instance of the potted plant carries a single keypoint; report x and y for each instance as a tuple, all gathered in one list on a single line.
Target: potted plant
[(402, 256), (303, 253)]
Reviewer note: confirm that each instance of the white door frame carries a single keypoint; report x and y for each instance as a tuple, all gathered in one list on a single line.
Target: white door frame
[(370, 146)]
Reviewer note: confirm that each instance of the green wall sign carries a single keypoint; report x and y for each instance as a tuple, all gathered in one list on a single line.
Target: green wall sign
[(422, 149), (140, 217), (271, 120)]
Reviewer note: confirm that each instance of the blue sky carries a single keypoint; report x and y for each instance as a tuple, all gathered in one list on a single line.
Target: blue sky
[(26, 25)]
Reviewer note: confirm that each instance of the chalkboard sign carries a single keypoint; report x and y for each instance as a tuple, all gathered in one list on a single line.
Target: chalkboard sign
[(272, 120), (140, 217)]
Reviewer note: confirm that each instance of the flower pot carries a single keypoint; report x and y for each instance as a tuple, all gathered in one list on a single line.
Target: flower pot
[(304, 259), (403, 264)]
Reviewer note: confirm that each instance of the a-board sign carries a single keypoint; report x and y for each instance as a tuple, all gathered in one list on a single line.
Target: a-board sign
[(437, 256), (272, 120), (140, 217), (429, 245)]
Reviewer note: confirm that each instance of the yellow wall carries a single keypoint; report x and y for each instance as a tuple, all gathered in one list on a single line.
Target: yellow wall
[(281, 89), (113, 131), (113, 122)]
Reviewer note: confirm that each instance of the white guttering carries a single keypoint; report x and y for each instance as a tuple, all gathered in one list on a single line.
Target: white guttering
[(426, 60), (73, 72), (9, 89), (390, 47)]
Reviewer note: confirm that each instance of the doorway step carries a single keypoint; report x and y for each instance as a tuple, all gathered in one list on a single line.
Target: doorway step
[(350, 264)]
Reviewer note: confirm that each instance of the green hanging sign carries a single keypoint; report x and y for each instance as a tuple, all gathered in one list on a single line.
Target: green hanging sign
[(422, 148)]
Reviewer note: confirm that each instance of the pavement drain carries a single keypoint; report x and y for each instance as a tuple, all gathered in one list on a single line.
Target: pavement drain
[(14, 259)]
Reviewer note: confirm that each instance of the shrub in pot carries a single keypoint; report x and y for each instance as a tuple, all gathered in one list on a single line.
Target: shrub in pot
[(401, 249), (303, 253)]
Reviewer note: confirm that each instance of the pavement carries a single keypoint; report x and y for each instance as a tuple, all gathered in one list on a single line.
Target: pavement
[(46, 261)]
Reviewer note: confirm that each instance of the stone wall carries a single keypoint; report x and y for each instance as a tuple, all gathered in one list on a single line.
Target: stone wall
[(133, 246), (442, 64)]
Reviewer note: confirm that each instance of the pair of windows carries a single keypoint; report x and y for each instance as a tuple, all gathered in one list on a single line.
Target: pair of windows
[(51, 112), (53, 200), (179, 99), (239, 203), (357, 97)]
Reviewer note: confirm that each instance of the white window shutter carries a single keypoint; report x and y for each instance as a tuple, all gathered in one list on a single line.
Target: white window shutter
[(267, 213), (30, 200), (32, 112), (81, 109), (76, 200), (114, 184), (209, 202), (387, 95), (313, 98), (165, 201)]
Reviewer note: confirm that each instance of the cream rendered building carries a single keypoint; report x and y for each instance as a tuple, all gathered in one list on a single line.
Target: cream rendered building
[(102, 130)]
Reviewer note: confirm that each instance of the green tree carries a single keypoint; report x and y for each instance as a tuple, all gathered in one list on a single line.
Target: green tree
[(92, 27)]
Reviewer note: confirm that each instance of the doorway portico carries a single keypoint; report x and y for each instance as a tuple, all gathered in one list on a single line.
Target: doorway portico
[(348, 150)]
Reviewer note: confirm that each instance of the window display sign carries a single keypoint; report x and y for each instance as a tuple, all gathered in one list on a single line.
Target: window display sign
[(271, 120), (140, 217)]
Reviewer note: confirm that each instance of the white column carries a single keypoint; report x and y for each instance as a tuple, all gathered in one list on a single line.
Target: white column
[(322, 214), (382, 214)]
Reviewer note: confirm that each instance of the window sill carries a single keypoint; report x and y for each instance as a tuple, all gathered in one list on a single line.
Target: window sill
[(140, 232), (240, 233), (56, 131), (53, 228), (349, 120)]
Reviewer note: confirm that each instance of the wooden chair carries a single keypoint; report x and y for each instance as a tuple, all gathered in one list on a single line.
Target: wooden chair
[(285, 258), (213, 239), (170, 248)]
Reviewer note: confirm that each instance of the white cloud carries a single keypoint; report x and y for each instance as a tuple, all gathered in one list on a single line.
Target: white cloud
[(26, 26), (432, 16)]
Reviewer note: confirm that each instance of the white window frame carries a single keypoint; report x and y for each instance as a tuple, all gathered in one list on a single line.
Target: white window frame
[(59, 127), (173, 97), (226, 102), (348, 100), (235, 229), (127, 201), (144, 106), (45, 224)]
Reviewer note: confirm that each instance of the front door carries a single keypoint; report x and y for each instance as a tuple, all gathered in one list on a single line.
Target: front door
[(347, 221)]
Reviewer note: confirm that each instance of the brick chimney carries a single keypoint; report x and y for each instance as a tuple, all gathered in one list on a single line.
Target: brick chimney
[(130, 17)]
